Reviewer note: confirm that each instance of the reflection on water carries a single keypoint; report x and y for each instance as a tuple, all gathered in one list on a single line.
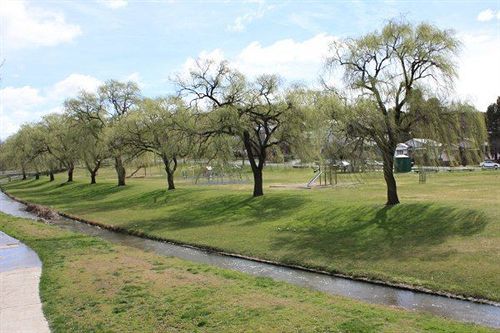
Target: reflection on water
[(483, 314)]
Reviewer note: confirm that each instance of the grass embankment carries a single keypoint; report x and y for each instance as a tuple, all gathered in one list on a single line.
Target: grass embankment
[(444, 236), (90, 285)]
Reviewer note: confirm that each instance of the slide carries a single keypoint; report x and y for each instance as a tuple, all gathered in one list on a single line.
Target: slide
[(316, 176)]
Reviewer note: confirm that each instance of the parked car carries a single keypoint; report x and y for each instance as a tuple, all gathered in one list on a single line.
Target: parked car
[(489, 165)]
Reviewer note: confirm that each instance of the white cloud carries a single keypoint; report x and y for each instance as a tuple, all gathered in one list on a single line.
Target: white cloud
[(17, 98), (114, 4), (294, 60), (134, 77), (71, 85), (242, 21), (25, 26), (19, 105), (479, 69), (488, 15), (216, 55)]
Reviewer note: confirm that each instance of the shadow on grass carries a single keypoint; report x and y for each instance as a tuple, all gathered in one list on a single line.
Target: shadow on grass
[(61, 193), (184, 208), (307, 229), (128, 198), (26, 184), (225, 210), (371, 233)]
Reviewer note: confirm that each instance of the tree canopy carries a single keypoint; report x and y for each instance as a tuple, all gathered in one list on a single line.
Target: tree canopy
[(259, 112), (385, 68), (393, 81)]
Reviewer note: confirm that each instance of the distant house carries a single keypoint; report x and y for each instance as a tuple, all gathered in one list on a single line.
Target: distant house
[(417, 144), (402, 149), (429, 152), (413, 146), (425, 151)]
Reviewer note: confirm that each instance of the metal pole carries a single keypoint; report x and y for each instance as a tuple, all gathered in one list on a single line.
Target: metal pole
[(319, 170)]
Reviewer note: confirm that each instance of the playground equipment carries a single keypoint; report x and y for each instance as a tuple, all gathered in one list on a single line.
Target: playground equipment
[(326, 174), (314, 178), (215, 175), (334, 175)]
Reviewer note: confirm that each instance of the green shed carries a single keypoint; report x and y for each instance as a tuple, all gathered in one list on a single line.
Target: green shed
[(402, 163)]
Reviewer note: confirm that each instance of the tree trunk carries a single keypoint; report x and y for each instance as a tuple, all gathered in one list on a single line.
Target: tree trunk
[(392, 192), (92, 177), (70, 173), (170, 180), (24, 174), (170, 171), (256, 167), (51, 176), (93, 171), (463, 157), (258, 189), (120, 170), (37, 175)]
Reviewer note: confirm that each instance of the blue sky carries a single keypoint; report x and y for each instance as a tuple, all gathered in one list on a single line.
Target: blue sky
[(54, 48)]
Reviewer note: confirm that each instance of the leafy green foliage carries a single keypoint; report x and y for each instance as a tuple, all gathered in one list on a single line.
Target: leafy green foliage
[(387, 69)]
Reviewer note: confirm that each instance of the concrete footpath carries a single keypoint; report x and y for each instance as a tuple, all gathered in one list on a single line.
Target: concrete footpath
[(20, 306)]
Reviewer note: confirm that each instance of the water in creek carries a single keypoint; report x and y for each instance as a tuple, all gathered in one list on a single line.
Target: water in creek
[(483, 314)]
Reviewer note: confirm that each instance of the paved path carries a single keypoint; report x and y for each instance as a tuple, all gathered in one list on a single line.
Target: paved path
[(20, 306)]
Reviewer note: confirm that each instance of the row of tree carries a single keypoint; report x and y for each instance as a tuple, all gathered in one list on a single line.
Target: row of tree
[(218, 113)]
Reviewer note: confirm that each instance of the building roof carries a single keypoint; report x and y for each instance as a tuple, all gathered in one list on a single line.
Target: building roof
[(420, 143)]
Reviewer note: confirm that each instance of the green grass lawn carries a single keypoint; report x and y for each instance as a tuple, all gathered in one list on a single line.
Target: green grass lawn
[(90, 285), (445, 235)]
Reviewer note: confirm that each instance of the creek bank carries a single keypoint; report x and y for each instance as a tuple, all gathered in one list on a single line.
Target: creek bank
[(219, 251)]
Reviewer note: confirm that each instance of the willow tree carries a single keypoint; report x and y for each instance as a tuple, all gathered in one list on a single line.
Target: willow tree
[(329, 134), (40, 157), (159, 126), (61, 140), (445, 133), (88, 118), (259, 112), (120, 98), (17, 151), (385, 67)]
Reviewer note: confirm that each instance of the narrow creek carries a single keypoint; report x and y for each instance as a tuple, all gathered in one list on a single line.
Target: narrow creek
[(461, 310)]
